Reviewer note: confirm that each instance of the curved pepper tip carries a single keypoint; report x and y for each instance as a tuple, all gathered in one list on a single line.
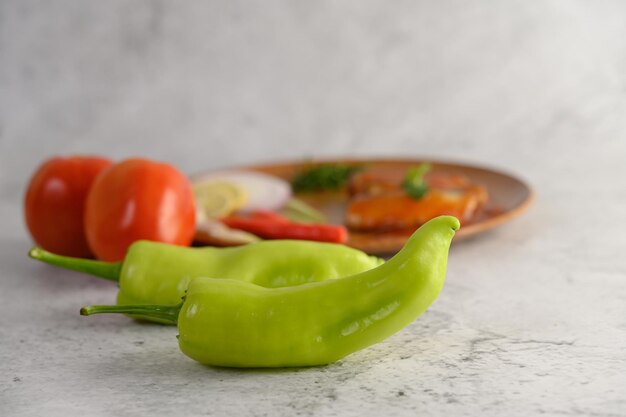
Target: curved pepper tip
[(440, 221), (454, 223)]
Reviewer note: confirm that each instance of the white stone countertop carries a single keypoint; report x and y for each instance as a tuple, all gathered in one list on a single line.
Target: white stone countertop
[(532, 319)]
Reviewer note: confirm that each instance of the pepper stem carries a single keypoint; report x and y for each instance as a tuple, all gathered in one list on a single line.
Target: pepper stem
[(168, 314), (106, 270)]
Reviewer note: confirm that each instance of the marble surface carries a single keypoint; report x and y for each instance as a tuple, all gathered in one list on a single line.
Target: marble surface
[(532, 320)]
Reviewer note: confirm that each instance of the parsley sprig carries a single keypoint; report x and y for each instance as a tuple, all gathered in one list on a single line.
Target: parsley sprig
[(324, 177), (414, 184)]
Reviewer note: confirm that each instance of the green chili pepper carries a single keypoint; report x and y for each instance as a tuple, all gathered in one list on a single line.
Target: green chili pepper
[(239, 324), (158, 273)]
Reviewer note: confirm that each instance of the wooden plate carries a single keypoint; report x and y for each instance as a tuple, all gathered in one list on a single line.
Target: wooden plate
[(508, 197)]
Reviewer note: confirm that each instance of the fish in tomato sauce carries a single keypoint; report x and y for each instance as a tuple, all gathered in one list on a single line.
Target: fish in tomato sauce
[(378, 202)]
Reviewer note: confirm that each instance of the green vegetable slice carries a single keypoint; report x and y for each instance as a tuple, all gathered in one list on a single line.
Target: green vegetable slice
[(297, 210)]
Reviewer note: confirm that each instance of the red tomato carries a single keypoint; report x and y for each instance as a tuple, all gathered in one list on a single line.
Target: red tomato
[(138, 199), (55, 202)]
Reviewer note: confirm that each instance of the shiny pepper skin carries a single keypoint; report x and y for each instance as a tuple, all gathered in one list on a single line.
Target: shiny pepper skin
[(236, 323), (158, 273)]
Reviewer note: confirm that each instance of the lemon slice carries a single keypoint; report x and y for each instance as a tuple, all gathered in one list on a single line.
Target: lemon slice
[(215, 199), (262, 191)]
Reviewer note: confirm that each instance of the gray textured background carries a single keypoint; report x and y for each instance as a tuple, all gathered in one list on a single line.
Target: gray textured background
[(210, 83), (531, 321)]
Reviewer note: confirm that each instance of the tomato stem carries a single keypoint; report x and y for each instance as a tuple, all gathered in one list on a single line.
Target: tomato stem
[(105, 270), (165, 313)]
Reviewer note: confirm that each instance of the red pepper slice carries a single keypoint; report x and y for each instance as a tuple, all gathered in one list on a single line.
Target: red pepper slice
[(269, 225), (265, 215)]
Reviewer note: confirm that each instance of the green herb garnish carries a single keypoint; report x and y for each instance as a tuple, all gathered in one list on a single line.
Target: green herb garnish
[(324, 177), (414, 184)]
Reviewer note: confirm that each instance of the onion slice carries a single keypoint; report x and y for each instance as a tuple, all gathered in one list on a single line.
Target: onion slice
[(263, 191), (213, 232)]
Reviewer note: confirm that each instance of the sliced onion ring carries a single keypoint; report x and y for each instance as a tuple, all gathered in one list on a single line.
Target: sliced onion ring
[(264, 192)]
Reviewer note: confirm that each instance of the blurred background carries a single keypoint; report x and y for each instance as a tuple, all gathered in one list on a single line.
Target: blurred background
[(532, 318), (204, 84)]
